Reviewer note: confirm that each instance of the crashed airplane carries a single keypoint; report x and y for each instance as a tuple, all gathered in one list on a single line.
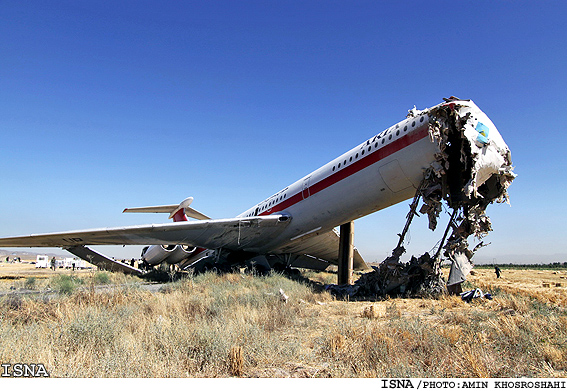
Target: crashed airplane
[(451, 152)]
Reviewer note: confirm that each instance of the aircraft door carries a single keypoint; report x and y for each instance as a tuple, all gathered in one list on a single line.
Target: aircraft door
[(305, 188), (394, 176)]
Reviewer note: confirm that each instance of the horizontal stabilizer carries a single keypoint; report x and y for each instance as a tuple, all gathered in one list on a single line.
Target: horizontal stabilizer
[(151, 209), (171, 209)]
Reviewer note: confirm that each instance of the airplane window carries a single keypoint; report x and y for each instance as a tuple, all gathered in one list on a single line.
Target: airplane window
[(405, 128), (376, 145), (339, 165), (398, 133), (413, 124), (356, 156), (389, 137), (333, 168), (362, 153), (369, 148), (350, 160), (383, 140), (421, 119), (344, 163)]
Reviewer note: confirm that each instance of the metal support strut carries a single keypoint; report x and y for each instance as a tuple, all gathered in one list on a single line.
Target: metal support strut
[(346, 253)]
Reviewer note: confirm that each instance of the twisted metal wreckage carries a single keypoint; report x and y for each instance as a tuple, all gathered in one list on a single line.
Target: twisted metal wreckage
[(467, 176)]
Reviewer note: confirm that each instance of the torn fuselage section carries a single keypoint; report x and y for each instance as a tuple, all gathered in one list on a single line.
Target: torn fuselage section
[(474, 165), (472, 169)]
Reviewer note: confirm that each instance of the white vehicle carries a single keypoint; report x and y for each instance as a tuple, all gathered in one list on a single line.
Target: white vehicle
[(73, 262), (454, 140), (42, 261), (81, 264), (68, 262)]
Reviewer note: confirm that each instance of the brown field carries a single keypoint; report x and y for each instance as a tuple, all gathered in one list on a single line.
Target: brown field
[(24, 269), (238, 325)]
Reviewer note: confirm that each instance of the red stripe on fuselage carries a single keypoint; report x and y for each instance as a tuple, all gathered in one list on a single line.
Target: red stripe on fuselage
[(350, 169)]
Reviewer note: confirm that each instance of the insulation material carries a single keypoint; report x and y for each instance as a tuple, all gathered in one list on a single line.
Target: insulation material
[(460, 268)]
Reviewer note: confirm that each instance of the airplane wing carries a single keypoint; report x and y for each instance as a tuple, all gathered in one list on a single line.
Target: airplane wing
[(320, 245), (232, 234)]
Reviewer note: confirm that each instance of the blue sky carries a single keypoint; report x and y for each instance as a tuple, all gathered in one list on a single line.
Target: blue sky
[(113, 104)]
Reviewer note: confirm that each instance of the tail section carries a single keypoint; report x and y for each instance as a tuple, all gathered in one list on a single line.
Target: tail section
[(172, 254), (178, 212)]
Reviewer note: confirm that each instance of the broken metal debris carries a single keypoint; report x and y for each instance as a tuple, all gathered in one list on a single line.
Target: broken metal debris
[(475, 294), (283, 296), (472, 170), (418, 277)]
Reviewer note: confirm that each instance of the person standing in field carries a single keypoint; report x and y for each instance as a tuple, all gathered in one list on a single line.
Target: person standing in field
[(497, 271)]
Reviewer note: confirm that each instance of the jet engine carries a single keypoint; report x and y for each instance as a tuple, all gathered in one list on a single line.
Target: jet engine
[(179, 254), (172, 254)]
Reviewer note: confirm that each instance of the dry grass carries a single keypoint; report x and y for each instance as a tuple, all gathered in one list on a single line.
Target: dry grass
[(188, 330), (24, 276), (237, 325)]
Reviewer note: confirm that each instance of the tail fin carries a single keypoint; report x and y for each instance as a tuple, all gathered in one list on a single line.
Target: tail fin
[(176, 212)]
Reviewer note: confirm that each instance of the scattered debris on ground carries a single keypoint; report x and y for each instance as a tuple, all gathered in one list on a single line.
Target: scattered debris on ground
[(475, 294)]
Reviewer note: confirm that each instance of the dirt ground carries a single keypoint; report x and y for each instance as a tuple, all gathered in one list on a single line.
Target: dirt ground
[(547, 283), (26, 269), (530, 279), (13, 274)]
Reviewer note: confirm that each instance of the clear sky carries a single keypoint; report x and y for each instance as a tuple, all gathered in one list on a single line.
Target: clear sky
[(113, 104)]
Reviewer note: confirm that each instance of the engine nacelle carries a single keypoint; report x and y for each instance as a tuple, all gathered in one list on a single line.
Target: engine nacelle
[(156, 254), (179, 254), (172, 254)]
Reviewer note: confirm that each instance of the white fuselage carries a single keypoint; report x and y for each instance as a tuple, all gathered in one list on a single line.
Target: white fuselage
[(382, 171)]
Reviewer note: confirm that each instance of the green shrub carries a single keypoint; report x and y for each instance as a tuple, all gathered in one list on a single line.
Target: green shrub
[(30, 283), (65, 284), (102, 278)]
